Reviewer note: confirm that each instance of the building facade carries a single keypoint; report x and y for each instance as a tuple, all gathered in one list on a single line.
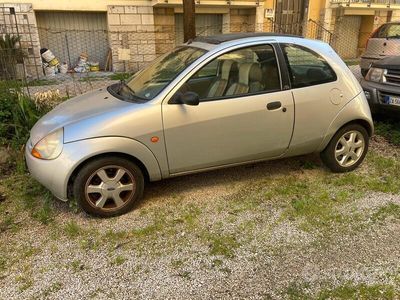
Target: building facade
[(125, 35)]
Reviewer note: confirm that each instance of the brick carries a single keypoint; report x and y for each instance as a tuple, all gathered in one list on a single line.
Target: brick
[(145, 28), (147, 19), (113, 19), (149, 57), (130, 9), (130, 19), (145, 9), (137, 58), (147, 49), (116, 9), (164, 20)]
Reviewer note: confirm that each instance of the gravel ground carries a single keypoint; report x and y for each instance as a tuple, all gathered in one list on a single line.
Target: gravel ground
[(197, 237)]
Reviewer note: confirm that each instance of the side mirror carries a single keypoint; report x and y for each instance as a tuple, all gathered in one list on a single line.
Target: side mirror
[(190, 98)]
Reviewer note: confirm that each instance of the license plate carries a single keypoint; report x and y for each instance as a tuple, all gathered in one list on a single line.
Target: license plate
[(392, 100)]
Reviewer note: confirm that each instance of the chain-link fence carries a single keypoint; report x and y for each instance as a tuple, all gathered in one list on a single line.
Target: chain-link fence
[(76, 61)]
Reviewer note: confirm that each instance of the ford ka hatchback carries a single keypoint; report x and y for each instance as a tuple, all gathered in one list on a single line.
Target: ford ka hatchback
[(213, 102)]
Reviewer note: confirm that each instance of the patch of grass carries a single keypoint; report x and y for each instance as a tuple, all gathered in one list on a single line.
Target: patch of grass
[(296, 291), (120, 76), (77, 265), (25, 281), (222, 244), (7, 223), (390, 129), (53, 288), (41, 82), (176, 264), (349, 290), (185, 274), (119, 260), (72, 229), (359, 291), (387, 211)]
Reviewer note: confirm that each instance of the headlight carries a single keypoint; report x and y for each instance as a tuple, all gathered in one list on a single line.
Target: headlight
[(375, 74), (49, 147)]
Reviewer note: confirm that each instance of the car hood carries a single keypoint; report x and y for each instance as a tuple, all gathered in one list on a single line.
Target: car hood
[(82, 107), (391, 62)]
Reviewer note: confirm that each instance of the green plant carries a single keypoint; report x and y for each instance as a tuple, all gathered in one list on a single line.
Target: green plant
[(10, 55)]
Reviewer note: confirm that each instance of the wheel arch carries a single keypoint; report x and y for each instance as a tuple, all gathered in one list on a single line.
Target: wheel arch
[(79, 167), (361, 122)]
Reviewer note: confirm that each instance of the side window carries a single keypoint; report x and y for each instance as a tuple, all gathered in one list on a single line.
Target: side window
[(240, 72), (306, 67)]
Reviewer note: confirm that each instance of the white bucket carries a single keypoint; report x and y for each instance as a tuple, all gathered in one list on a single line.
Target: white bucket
[(50, 71), (48, 56), (63, 68)]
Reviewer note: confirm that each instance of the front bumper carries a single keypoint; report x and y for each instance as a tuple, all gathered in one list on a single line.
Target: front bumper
[(53, 174), (375, 93)]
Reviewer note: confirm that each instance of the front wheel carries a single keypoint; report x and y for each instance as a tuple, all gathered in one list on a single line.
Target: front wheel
[(347, 149), (108, 186)]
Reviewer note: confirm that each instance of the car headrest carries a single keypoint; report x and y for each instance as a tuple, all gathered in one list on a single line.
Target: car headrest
[(249, 72), (226, 68)]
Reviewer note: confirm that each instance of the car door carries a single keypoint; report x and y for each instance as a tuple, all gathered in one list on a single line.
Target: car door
[(252, 120)]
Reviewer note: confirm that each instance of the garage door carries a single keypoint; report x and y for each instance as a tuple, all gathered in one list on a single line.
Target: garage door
[(206, 24), (68, 34)]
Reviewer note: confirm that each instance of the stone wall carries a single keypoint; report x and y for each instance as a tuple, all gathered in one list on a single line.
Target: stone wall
[(132, 37), (23, 23), (164, 21), (242, 20)]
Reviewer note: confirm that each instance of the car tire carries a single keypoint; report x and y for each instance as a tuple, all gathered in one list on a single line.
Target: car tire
[(347, 149), (108, 186)]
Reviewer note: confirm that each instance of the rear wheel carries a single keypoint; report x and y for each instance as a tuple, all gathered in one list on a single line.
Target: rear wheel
[(347, 149), (108, 186)]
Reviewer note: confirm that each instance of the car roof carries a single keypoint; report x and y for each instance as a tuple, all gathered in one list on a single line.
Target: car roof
[(222, 38)]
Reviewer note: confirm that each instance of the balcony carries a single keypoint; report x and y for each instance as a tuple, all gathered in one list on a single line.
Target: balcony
[(367, 3)]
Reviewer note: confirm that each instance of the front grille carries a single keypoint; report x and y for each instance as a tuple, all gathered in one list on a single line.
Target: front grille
[(382, 96), (393, 76)]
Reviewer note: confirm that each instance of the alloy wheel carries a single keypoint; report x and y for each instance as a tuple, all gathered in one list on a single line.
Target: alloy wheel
[(110, 187), (349, 148)]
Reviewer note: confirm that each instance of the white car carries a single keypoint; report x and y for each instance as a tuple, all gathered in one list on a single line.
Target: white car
[(211, 103)]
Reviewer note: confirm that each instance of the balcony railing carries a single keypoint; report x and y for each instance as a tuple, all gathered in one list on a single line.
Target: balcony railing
[(367, 2)]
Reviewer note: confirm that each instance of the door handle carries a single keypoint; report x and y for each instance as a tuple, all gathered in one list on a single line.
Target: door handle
[(274, 105)]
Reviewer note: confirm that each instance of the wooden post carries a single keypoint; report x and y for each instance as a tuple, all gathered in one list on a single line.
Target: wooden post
[(189, 25)]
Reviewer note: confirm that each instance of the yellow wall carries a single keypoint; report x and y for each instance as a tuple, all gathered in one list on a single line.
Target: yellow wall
[(314, 9), (101, 5), (366, 28), (77, 5)]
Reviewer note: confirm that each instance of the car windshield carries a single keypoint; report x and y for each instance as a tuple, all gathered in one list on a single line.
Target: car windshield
[(149, 82)]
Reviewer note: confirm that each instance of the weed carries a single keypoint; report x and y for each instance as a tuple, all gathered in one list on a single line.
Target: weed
[(119, 260), (77, 266), (389, 210), (358, 291), (72, 229), (221, 244), (120, 76)]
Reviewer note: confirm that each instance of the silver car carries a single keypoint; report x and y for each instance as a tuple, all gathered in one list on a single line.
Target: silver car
[(384, 42), (213, 102)]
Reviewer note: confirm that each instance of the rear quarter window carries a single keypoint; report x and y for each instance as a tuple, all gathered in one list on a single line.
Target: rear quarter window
[(306, 67), (388, 31)]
